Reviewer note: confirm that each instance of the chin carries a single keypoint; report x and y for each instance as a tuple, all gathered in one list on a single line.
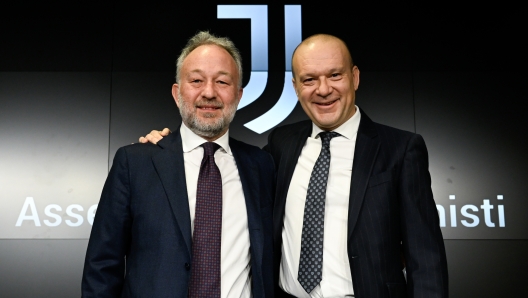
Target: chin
[(209, 117), (325, 122)]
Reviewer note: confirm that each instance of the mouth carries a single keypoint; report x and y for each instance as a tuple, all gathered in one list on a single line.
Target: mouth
[(209, 107), (326, 103)]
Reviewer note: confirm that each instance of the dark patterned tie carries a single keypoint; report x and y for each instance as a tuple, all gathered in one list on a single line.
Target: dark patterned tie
[(311, 260), (207, 235)]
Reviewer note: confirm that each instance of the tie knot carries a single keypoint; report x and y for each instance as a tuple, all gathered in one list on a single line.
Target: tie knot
[(326, 136), (210, 148)]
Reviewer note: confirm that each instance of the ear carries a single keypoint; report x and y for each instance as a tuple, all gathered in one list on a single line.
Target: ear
[(240, 92), (355, 77), (175, 89), (294, 87)]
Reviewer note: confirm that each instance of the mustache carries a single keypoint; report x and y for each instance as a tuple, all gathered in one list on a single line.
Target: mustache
[(209, 103)]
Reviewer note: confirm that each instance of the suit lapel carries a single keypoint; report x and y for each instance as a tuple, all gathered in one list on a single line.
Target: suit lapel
[(291, 148), (249, 177), (171, 171), (367, 146)]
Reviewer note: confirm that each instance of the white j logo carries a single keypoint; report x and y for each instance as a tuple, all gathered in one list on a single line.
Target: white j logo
[(259, 59)]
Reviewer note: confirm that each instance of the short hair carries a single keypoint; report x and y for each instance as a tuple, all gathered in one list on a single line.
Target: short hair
[(205, 38), (325, 38)]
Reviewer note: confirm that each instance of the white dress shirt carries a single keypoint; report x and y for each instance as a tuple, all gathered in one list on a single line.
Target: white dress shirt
[(235, 260), (337, 278)]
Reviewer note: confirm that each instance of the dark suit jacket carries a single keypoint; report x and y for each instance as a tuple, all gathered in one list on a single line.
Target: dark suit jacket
[(140, 244), (391, 210)]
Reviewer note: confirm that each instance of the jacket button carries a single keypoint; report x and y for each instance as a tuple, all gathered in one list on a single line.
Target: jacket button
[(187, 266)]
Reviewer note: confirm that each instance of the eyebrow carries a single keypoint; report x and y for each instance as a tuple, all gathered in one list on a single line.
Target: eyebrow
[(225, 73), (199, 71), (337, 69), (332, 70)]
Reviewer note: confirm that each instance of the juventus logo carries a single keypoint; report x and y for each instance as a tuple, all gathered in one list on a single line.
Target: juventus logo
[(259, 60)]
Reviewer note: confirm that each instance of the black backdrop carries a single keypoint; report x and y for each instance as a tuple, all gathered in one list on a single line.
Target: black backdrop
[(79, 80)]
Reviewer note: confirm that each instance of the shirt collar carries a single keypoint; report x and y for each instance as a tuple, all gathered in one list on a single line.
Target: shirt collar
[(348, 129), (191, 141)]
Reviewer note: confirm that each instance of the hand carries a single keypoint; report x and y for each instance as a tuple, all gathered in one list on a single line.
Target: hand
[(155, 136)]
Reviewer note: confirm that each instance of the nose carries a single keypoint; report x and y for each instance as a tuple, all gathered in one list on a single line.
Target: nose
[(209, 90), (324, 89)]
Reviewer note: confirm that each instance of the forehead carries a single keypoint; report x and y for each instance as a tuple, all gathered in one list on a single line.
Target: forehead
[(210, 58), (321, 55)]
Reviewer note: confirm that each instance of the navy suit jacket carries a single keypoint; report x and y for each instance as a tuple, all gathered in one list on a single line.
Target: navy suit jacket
[(391, 213), (140, 244)]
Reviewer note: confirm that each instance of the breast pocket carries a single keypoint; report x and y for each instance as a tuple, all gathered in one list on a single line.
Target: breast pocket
[(380, 178)]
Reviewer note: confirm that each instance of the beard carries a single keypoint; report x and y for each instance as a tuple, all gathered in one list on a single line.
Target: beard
[(209, 129)]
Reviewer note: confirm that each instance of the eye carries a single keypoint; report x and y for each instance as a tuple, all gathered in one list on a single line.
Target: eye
[(336, 75)]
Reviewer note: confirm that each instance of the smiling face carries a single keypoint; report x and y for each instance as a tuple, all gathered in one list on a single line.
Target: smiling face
[(325, 81), (208, 93)]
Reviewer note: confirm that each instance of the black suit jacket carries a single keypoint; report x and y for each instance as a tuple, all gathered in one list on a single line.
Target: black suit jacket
[(391, 210), (140, 244)]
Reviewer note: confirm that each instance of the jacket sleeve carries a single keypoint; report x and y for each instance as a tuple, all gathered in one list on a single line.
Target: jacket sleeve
[(423, 244), (104, 267)]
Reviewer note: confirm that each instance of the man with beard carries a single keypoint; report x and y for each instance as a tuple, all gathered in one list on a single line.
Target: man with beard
[(192, 216)]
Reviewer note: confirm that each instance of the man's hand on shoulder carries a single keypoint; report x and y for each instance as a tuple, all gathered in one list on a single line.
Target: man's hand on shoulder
[(155, 136)]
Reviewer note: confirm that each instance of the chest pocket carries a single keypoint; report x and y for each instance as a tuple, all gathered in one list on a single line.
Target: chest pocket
[(380, 178)]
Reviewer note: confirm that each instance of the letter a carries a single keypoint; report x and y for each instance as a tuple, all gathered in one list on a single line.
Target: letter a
[(29, 203)]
